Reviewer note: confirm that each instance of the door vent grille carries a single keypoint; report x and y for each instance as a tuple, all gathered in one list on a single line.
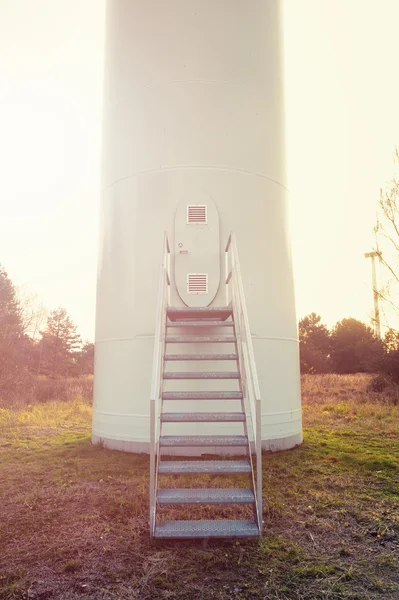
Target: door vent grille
[(197, 283), (197, 213)]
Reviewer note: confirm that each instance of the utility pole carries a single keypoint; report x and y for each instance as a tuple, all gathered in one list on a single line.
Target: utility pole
[(377, 324)]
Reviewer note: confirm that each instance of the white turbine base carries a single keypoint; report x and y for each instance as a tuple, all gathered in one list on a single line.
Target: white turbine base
[(135, 447)]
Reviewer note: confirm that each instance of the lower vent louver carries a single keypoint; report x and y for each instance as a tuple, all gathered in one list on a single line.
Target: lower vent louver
[(197, 283)]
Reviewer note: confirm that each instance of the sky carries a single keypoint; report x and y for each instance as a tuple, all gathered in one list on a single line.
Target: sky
[(342, 124)]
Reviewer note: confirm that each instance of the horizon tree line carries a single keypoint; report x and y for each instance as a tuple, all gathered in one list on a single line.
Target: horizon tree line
[(349, 347), (28, 351), (56, 350)]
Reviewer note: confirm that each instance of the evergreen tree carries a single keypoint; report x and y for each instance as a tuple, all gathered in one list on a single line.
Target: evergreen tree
[(86, 359), (13, 342), (10, 319), (60, 345), (315, 346), (390, 365)]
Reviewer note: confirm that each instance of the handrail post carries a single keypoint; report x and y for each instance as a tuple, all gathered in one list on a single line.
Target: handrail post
[(156, 381), (167, 254), (258, 449), (226, 272), (247, 359), (152, 467)]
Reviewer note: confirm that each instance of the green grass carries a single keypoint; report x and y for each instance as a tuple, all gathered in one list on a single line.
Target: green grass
[(74, 521)]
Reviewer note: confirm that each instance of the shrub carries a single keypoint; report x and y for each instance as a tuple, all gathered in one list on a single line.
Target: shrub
[(31, 389), (379, 384)]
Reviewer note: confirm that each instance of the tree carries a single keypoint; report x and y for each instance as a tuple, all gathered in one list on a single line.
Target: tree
[(86, 359), (60, 345), (390, 363), (314, 339), (387, 244), (13, 342), (10, 320), (61, 326), (387, 239), (33, 313), (391, 340), (355, 348)]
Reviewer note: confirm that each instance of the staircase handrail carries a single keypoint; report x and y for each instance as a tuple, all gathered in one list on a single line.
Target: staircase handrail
[(157, 374), (250, 379)]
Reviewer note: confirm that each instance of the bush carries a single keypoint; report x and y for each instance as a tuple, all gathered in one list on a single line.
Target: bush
[(379, 384), (16, 383), (390, 365), (63, 388), (30, 389), (386, 387)]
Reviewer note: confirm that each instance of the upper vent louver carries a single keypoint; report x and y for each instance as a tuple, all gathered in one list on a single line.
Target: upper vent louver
[(197, 214), (197, 283)]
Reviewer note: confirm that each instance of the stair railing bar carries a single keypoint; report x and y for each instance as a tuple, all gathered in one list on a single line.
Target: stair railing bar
[(228, 242), (242, 385), (245, 317), (250, 381), (157, 377), (247, 388), (164, 308), (254, 381), (227, 270), (168, 266), (155, 397)]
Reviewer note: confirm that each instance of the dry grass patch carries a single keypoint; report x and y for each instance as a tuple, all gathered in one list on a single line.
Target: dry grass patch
[(341, 400), (40, 388)]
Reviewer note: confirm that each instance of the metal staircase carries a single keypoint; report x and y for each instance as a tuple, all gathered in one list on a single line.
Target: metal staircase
[(224, 335)]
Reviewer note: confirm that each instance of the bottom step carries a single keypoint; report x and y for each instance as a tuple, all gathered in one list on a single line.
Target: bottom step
[(224, 528)]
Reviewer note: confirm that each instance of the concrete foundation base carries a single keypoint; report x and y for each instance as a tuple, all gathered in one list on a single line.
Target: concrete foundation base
[(274, 445)]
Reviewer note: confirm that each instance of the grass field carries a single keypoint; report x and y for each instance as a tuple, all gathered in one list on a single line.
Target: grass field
[(74, 517)]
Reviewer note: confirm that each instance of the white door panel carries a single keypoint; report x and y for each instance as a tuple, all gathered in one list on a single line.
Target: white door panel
[(197, 250)]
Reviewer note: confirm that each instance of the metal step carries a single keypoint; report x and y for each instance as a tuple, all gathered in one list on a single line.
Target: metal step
[(204, 323), (206, 496), (188, 312), (225, 528), (209, 467), (203, 440), (206, 339), (201, 357), (202, 375), (202, 396), (214, 417)]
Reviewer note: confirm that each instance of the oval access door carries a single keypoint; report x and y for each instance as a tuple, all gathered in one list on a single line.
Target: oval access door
[(197, 251)]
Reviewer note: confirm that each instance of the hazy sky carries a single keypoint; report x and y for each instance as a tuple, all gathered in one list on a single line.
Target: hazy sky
[(342, 100)]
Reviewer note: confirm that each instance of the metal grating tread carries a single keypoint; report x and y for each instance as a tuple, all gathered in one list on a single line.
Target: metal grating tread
[(201, 375), (202, 395), (203, 440), (210, 467), (186, 312), (201, 357), (205, 323), (205, 496), (205, 339), (224, 528), (205, 417)]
